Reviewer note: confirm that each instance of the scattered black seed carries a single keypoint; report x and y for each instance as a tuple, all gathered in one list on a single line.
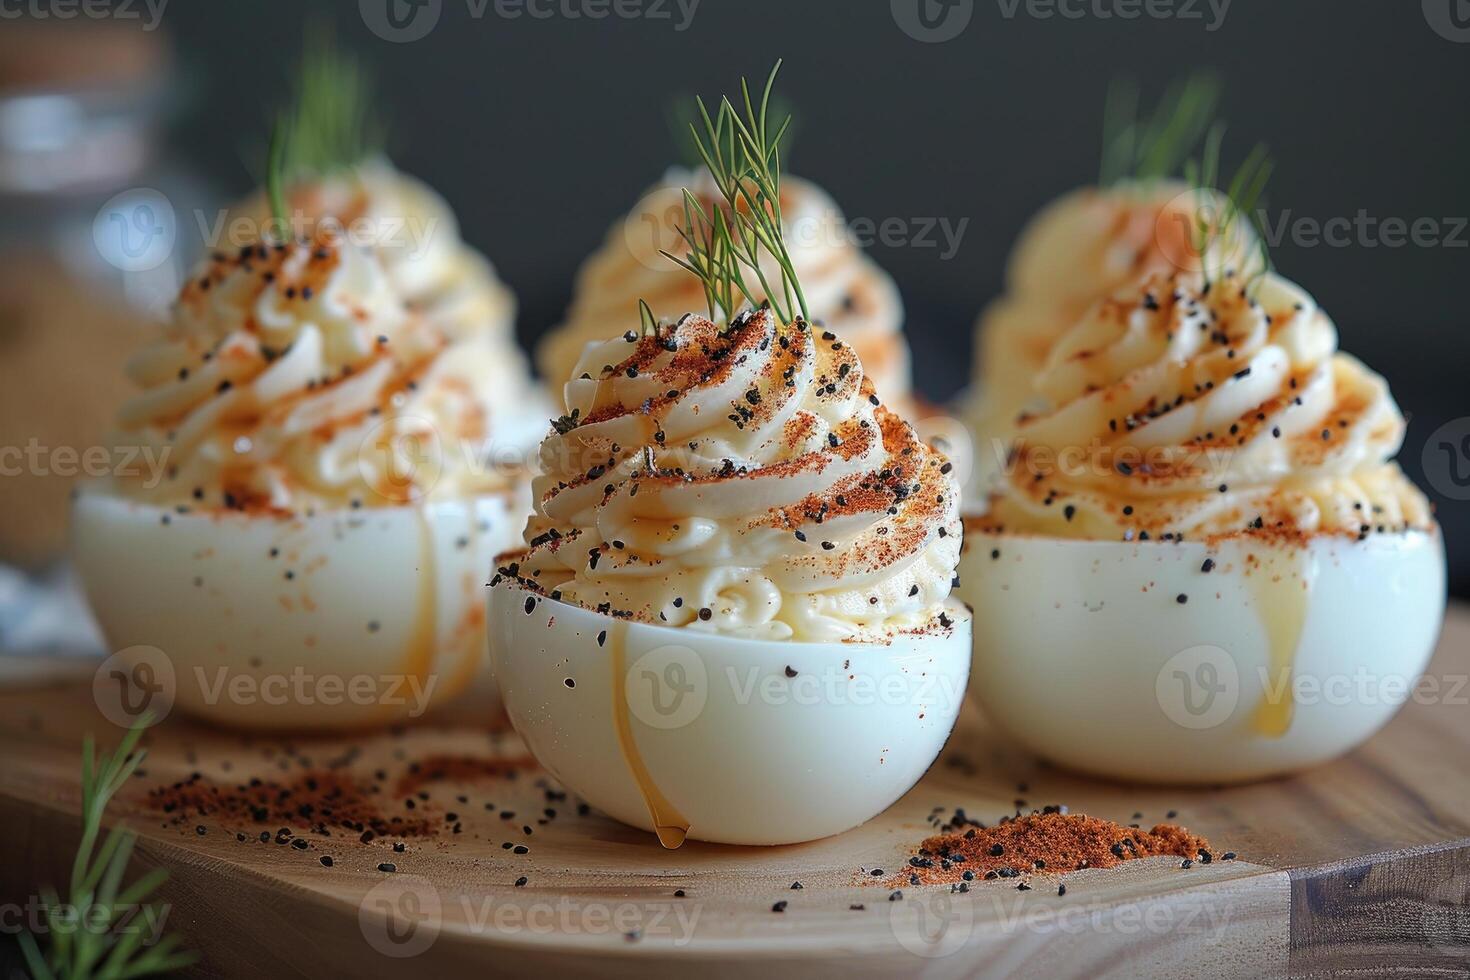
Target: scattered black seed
[(779, 907), (388, 867), (326, 860)]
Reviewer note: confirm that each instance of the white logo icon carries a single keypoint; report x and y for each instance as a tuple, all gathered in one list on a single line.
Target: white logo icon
[(667, 687), (1199, 687)]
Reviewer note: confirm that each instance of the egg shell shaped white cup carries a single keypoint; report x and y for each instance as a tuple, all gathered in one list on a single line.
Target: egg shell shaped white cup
[(1275, 659), (746, 751), (343, 619)]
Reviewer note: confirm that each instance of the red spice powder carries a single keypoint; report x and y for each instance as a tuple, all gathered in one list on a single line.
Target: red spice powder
[(1049, 842), (322, 801), (458, 769)]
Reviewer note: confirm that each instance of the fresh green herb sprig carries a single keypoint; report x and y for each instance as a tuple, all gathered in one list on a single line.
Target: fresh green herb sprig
[(706, 235), (1221, 212), (682, 115), (1155, 148), (275, 181), (742, 152), (332, 122), (82, 934)]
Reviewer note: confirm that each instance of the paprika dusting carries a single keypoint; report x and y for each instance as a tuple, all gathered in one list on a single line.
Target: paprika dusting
[(324, 801), (1046, 842)]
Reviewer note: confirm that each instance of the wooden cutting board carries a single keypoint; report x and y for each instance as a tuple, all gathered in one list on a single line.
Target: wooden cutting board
[(1363, 864)]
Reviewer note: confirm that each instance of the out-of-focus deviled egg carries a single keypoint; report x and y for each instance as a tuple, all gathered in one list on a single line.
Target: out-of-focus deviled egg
[(335, 482), (1139, 220), (733, 618), (846, 291), (345, 423), (1202, 563)]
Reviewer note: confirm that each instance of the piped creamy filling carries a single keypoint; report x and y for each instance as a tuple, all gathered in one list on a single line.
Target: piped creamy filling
[(745, 480), (298, 376), (1080, 249), (1180, 408), (846, 291)]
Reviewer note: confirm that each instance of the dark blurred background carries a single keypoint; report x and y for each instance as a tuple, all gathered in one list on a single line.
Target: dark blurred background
[(542, 130)]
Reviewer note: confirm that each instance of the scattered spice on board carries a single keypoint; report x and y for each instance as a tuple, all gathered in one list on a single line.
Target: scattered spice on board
[(1049, 842), (325, 801), (459, 769)]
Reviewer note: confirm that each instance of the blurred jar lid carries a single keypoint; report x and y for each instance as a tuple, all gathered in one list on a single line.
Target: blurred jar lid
[(80, 103)]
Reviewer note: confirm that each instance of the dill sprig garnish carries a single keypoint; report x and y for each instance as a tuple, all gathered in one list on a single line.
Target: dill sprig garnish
[(742, 152), (332, 123), (83, 933), (647, 322), (706, 234), (275, 178), (681, 115), (1155, 148), (1220, 212)]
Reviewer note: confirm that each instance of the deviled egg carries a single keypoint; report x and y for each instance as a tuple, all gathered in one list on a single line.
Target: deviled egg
[(338, 476), (1080, 249), (1202, 563), (847, 292), (733, 617)]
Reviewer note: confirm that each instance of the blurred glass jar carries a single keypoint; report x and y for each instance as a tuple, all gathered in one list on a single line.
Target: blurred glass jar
[(88, 250)]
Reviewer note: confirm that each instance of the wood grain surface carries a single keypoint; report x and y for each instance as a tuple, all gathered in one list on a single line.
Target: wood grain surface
[(1362, 865)]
